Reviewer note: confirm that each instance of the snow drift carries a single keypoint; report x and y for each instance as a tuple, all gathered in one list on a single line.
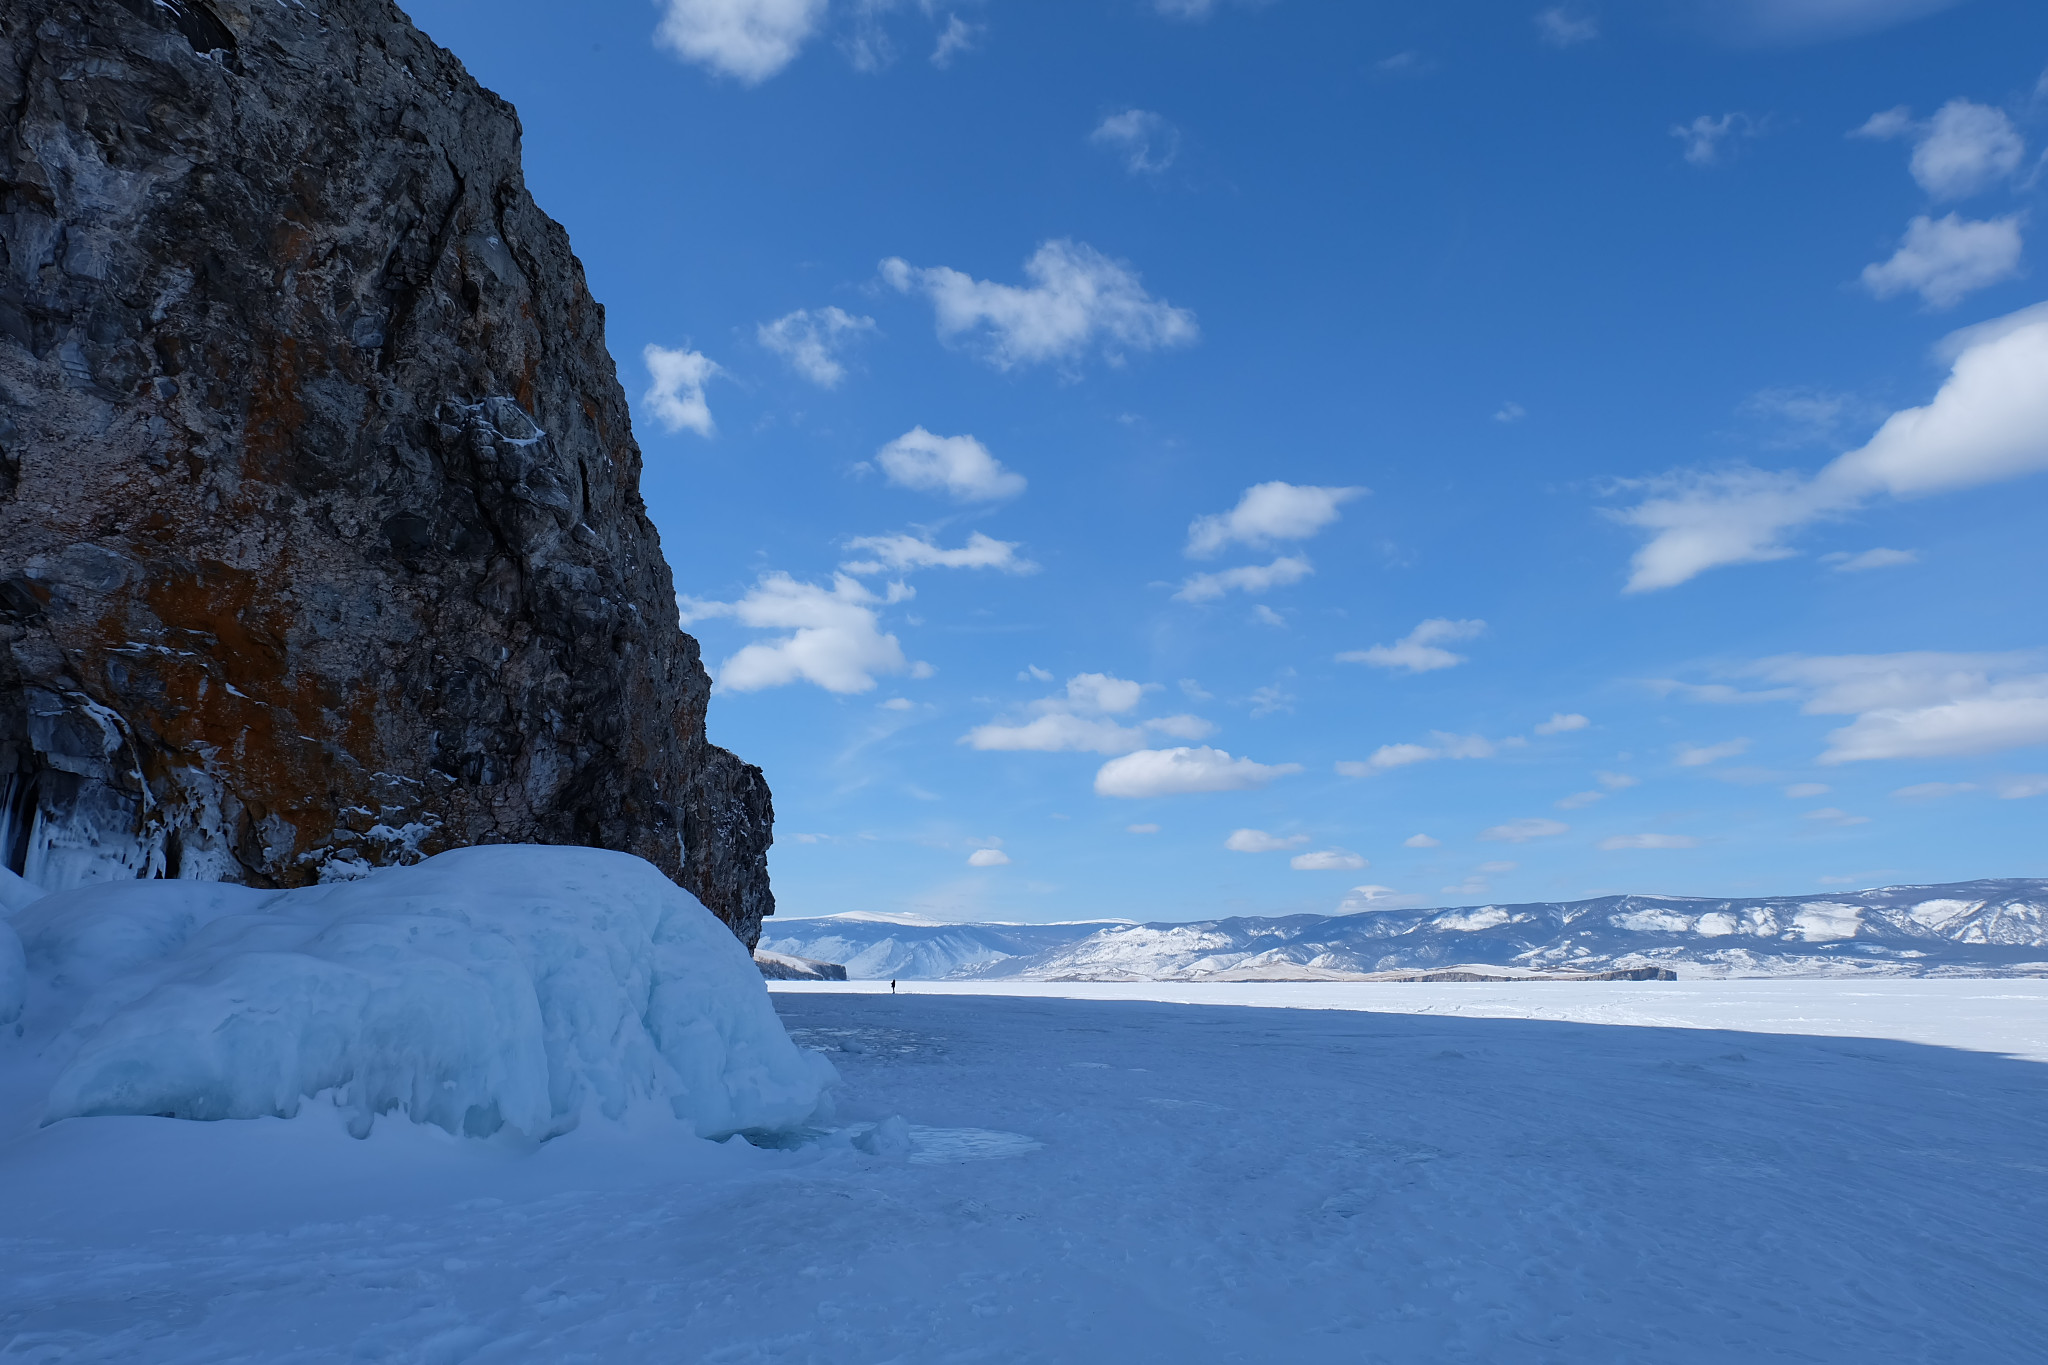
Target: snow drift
[(485, 989)]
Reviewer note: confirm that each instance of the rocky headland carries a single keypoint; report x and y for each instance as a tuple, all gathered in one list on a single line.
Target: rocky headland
[(321, 541)]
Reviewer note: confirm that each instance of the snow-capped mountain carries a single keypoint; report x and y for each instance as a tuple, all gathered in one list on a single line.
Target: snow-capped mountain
[(1980, 928)]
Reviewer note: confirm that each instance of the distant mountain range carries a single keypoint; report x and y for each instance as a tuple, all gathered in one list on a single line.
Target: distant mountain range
[(1980, 928)]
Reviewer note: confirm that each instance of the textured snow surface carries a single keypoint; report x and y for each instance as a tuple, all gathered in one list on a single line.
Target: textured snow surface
[(1968, 928), (1810, 1171), (509, 987)]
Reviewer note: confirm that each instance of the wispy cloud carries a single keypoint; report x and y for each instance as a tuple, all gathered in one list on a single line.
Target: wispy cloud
[(1562, 27), (812, 341), (905, 552), (1987, 423), (1421, 650), (1144, 141), (1706, 137), (1522, 831), (1250, 578)]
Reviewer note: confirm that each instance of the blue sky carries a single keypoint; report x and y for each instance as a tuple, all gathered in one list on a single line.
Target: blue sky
[(1168, 459)]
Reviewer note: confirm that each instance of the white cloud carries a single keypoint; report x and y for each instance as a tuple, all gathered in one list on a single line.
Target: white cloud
[(1559, 27), (1445, 745), (1258, 841), (1921, 705), (1510, 412), (1799, 791), (1195, 11), (1831, 816), (2020, 787), (988, 857), (2013, 788), (1963, 150), (1271, 699), (1561, 722), (1365, 898), (1704, 135), (836, 640), (1058, 732), (958, 466), (750, 40), (1327, 860), (1421, 841), (1618, 781), (1802, 416), (1104, 692), (1173, 772), (1498, 868), (1250, 578), (957, 37), (1181, 727), (1699, 755), (1266, 514), (1079, 721), (1078, 300), (1266, 616), (1942, 259), (1843, 562), (677, 395), (1145, 141), (1141, 829), (1932, 791), (1987, 423), (1421, 649), (1619, 841), (1032, 672), (1579, 800), (1521, 831), (901, 552), (811, 341)]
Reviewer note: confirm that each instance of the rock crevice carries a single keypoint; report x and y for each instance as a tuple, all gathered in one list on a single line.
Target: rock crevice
[(321, 542)]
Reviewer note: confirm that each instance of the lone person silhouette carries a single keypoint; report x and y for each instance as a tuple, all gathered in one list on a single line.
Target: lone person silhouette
[(892, 986)]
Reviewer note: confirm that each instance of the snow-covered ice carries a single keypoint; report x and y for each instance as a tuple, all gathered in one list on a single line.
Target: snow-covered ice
[(507, 987), (1833, 1171)]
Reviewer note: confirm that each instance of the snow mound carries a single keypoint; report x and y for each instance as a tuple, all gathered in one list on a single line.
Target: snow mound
[(501, 987)]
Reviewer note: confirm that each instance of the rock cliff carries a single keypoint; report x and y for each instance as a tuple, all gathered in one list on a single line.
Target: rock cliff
[(321, 542)]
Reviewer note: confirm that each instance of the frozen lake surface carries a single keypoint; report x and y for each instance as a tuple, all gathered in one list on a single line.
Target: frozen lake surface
[(1851, 1171)]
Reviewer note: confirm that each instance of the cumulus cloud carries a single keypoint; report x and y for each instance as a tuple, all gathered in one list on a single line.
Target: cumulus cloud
[(1700, 755), (1079, 300), (1922, 704), (1844, 562), (988, 857), (836, 640), (904, 552), (1250, 578), (1521, 831), (1943, 259), (677, 395), (812, 341), (1144, 141), (1987, 423), (1079, 721), (1963, 150), (1421, 841), (1258, 841), (1442, 745), (1561, 722), (1327, 860), (1561, 27), (1421, 649), (958, 466), (1266, 514), (749, 40), (1619, 841), (1175, 772), (1704, 136)]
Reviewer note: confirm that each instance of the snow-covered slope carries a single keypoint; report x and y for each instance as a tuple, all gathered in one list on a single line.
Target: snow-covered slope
[(1969, 928)]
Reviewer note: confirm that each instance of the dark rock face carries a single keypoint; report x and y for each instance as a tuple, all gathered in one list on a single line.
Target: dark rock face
[(321, 543)]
